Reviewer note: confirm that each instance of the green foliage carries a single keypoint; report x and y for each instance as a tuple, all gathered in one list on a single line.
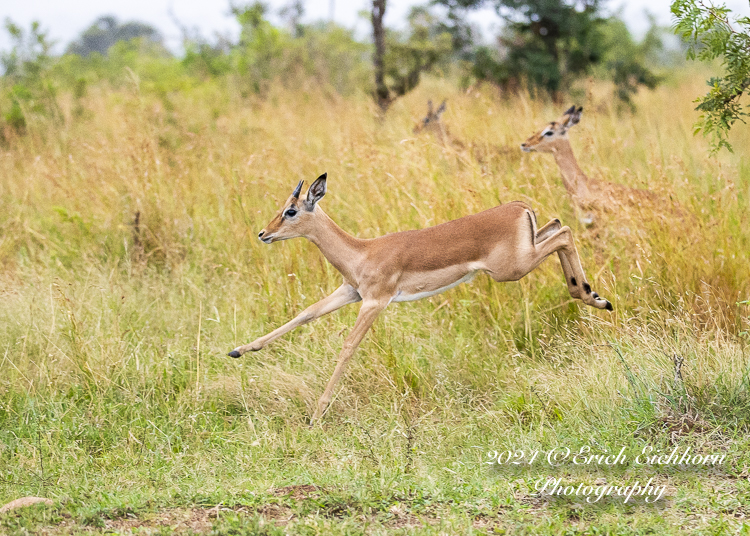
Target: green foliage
[(260, 52), (624, 61), (332, 56), (131, 56), (325, 53), (712, 35), (206, 60), (551, 42), (548, 44), (139, 64), (27, 89), (420, 49)]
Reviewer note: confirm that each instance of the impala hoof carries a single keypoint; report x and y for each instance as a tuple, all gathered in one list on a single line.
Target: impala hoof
[(234, 353), (609, 307)]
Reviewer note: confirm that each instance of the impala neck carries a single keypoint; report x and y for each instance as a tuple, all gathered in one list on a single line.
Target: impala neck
[(574, 179), (340, 248)]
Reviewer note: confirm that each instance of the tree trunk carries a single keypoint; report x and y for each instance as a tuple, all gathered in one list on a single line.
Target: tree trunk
[(381, 90)]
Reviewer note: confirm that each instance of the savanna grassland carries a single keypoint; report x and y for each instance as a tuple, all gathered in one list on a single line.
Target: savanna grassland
[(129, 266)]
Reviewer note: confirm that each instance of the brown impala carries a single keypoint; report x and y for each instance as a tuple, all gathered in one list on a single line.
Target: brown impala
[(503, 241)]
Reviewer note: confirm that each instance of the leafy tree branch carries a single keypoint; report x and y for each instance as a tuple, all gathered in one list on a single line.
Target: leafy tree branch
[(712, 35)]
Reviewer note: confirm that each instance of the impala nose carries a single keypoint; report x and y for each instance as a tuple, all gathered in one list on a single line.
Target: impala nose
[(260, 234)]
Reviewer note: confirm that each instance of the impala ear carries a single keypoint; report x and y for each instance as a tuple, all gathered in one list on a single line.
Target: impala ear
[(316, 192), (572, 116)]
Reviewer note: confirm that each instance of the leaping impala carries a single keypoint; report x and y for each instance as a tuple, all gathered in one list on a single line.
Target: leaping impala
[(503, 241)]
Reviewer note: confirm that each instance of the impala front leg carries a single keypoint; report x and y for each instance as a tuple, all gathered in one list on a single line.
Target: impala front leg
[(367, 315), (344, 295)]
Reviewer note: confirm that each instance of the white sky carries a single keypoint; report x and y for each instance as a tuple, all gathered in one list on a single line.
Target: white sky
[(66, 19)]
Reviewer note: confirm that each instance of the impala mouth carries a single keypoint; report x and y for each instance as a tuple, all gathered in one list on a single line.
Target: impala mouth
[(265, 237), (526, 149)]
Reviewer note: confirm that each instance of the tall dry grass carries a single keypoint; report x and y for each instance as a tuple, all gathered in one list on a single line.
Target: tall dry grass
[(130, 264)]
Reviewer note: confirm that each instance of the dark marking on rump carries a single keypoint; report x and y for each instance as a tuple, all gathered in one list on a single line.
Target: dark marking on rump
[(531, 222), (587, 288), (573, 281)]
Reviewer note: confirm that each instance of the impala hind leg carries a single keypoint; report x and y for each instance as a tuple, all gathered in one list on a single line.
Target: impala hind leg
[(367, 315), (562, 243), (344, 295), (543, 234), (550, 228)]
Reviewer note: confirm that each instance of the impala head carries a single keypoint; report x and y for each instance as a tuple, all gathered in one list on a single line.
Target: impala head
[(546, 139), (431, 120), (296, 215)]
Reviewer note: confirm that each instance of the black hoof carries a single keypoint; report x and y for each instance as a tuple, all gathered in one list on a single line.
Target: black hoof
[(609, 307), (234, 353)]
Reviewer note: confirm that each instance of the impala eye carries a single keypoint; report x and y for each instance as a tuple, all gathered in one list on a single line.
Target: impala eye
[(291, 213), (548, 133)]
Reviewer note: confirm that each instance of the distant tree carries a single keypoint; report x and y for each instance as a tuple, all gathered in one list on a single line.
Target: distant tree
[(292, 14), (106, 31), (624, 61), (260, 52), (29, 53), (400, 59), (455, 23), (26, 84), (711, 34), (548, 44), (382, 93)]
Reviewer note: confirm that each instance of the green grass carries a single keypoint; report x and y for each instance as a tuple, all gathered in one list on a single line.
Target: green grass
[(118, 402)]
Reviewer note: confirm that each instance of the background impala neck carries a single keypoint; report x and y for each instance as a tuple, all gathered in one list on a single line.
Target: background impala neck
[(340, 248), (574, 179)]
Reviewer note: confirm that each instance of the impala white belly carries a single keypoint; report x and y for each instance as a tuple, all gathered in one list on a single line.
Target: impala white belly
[(401, 296)]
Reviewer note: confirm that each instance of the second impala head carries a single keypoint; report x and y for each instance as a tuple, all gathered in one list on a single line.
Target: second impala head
[(296, 215), (546, 140)]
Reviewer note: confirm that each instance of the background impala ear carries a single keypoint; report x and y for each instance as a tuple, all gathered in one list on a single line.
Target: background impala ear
[(316, 191), (441, 108), (572, 116)]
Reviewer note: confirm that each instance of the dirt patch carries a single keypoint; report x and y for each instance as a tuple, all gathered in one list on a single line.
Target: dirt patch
[(399, 517), (178, 519), (198, 520), (280, 515), (298, 493), (402, 520)]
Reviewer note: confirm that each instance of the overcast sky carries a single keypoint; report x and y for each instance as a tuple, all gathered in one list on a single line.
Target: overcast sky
[(66, 19)]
